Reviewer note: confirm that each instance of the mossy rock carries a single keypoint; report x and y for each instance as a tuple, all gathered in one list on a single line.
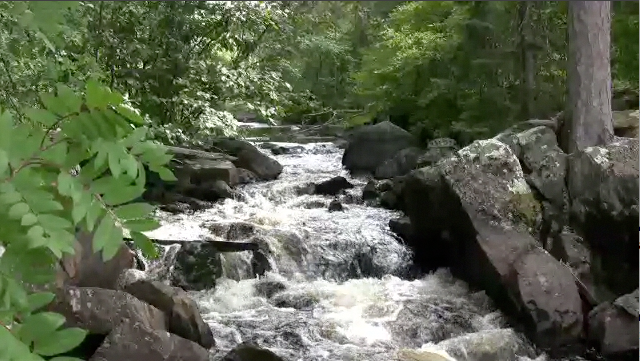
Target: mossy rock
[(525, 210)]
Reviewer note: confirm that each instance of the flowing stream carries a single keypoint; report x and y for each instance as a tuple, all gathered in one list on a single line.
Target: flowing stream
[(341, 286)]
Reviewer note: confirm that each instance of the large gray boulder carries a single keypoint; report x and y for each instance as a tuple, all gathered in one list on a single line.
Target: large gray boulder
[(249, 157), (371, 145), (134, 341), (613, 328), (603, 185), (474, 212)]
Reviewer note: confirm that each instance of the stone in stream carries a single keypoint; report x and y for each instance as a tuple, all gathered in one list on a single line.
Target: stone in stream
[(181, 311), (333, 186), (251, 352), (249, 157), (134, 341), (335, 206), (480, 200), (370, 146)]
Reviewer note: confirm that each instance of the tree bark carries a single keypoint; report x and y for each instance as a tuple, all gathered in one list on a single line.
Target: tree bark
[(527, 59), (588, 117)]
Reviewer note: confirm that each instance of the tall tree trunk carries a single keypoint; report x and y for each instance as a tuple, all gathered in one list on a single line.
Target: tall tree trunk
[(527, 59), (588, 116)]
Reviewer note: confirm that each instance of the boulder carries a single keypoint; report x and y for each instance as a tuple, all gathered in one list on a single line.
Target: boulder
[(437, 149), (134, 341), (474, 212), (333, 186), (401, 163), (613, 329), (197, 266), (99, 310), (371, 145), (181, 311), (544, 162), (335, 206), (199, 171), (249, 157), (251, 352), (246, 176), (603, 186)]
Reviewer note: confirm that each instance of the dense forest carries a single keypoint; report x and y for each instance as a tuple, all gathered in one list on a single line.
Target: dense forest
[(188, 69)]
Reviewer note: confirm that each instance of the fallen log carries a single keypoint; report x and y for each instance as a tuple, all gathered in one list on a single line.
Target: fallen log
[(220, 246)]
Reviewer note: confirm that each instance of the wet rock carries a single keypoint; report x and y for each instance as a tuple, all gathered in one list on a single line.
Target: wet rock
[(436, 150), (370, 191), (296, 301), (86, 268), (249, 157), (133, 341), (260, 263), (203, 171), (335, 206), (401, 163), (281, 149), (251, 352), (389, 200), (371, 145), (99, 310), (232, 231), (211, 192), (603, 184), (402, 228), (307, 189), (613, 328), (269, 288), (181, 311), (314, 204), (197, 266), (473, 212), (246, 176), (333, 186)]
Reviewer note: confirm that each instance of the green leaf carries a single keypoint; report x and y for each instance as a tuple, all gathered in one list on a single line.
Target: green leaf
[(65, 183), (121, 195), (114, 162), (4, 162), (144, 243), (134, 211), (129, 114), (165, 174), (18, 210), (141, 225), (72, 101), (40, 326), (81, 207), (105, 233), (65, 358), (38, 300), (60, 342), (49, 221), (96, 95), (94, 212), (29, 219), (41, 116)]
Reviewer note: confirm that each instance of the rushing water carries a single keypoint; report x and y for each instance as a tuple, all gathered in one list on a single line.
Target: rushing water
[(348, 294)]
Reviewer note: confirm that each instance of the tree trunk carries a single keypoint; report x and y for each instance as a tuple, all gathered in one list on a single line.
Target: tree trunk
[(527, 59), (589, 121)]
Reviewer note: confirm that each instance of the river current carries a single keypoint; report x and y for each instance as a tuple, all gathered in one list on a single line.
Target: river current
[(349, 292)]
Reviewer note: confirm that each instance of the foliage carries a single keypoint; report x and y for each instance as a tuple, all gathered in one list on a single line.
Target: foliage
[(47, 129)]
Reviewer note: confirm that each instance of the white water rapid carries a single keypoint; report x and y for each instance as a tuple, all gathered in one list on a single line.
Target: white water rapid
[(348, 292)]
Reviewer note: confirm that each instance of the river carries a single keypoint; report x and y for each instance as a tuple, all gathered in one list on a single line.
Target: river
[(349, 291)]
